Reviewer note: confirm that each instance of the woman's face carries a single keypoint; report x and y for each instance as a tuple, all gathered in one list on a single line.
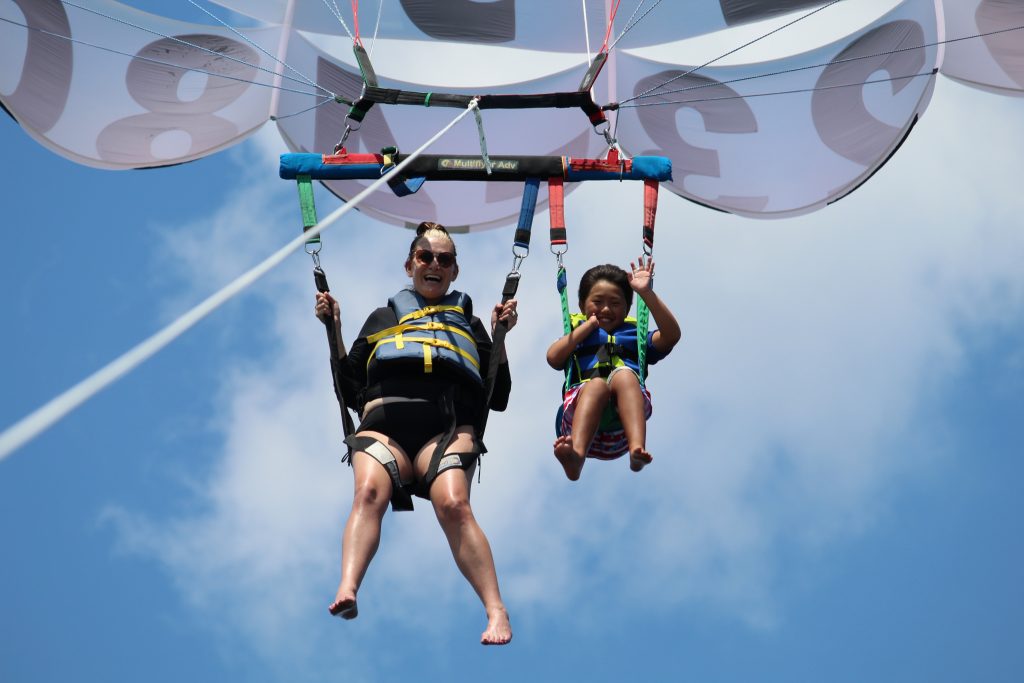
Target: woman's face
[(431, 280), (605, 301)]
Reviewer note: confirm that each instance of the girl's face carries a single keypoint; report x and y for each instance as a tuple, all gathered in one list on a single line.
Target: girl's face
[(606, 301), (431, 280)]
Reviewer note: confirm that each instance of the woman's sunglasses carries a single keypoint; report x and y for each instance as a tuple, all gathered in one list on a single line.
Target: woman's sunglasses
[(445, 259)]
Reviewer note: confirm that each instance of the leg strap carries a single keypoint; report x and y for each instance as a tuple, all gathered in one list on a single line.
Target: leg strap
[(401, 500), (463, 461)]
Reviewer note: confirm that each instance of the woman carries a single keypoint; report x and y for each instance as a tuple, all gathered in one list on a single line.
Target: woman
[(414, 374)]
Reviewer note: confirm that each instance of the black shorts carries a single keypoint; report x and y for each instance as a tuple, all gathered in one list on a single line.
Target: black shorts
[(412, 424)]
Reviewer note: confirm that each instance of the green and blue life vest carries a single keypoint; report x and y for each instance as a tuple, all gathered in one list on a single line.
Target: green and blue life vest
[(438, 334), (600, 353)]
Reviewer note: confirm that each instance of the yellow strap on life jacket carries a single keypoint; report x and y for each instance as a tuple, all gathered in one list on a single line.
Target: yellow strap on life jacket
[(427, 343), (423, 327), (431, 310)]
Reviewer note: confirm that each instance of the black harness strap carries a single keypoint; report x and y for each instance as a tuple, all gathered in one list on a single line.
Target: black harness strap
[(520, 250), (332, 340), (374, 94), (401, 500), (439, 460)]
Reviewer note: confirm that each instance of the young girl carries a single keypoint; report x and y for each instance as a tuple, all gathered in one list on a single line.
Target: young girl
[(604, 373)]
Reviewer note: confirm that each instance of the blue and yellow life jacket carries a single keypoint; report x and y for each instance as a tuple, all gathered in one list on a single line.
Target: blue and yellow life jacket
[(434, 334), (600, 353)]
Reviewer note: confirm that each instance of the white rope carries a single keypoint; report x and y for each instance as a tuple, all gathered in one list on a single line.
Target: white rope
[(734, 50), (149, 60), (586, 31), (483, 141), (630, 24), (336, 11), (219, 55), (38, 421), (376, 29), (254, 44)]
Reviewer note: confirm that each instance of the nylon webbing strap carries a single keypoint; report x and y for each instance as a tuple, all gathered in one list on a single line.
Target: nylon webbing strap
[(497, 350), (642, 315), (562, 283), (642, 312), (595, 68), (347, 427), (526, 211), (556, 209), (557, 100), (307, 206), (650, 211)]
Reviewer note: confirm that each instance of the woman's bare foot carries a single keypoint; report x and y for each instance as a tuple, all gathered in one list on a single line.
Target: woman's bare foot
[(344, 606), (499, 630), (639, 458), (572, 462)]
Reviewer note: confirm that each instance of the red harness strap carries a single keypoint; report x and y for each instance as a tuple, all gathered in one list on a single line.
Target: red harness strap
[(556, 209), (650, 210)]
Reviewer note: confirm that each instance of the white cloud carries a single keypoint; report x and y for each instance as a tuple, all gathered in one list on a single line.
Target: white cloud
[(812, 349)]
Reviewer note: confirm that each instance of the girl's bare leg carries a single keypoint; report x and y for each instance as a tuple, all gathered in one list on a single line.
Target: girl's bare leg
[(629, 400), (571, 450)]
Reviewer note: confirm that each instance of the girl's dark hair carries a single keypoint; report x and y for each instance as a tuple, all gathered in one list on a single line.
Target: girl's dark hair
[(613, 274), (428, 226)]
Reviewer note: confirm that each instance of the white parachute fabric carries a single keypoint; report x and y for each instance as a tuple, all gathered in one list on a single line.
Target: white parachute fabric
[(791, 104), (527, 24), (104, 93), (995, 61), (739, 146)]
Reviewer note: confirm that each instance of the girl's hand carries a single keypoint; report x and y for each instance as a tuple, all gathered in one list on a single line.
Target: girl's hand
[(505, 312), (642, 277)]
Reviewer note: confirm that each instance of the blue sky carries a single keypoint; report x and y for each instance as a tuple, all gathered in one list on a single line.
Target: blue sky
[(837, 440)]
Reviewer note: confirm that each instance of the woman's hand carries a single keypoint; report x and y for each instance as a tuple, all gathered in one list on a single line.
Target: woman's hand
[(505, 312), (642, 277), (326, 308)]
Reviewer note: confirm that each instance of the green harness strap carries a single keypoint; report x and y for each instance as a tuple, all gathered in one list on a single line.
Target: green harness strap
[(561, 282), (308, 207)]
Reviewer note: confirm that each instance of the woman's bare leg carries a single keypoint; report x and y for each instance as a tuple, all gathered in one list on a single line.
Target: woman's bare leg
[(449, 495), (362, 530)]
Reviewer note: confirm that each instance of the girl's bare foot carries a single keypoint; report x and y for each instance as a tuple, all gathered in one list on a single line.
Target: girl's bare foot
[(344, 606), (639, 458), (572, 462), (499, 630)]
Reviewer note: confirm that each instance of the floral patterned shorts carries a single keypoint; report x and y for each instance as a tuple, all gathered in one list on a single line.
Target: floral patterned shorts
[(607, 444)]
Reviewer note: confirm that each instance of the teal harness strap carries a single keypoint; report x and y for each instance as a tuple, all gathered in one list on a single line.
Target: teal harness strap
[(307, 206), (561, 281), (642, 316)]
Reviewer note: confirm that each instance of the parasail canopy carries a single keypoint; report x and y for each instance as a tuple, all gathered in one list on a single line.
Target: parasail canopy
[(767, 108)]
